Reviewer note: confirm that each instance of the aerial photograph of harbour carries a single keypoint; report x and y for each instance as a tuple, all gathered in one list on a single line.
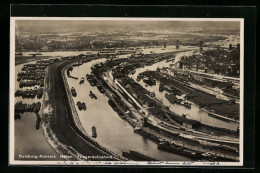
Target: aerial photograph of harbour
[(126, 91)]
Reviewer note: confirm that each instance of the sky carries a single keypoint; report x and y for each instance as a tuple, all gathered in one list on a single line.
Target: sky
[(42, 26)]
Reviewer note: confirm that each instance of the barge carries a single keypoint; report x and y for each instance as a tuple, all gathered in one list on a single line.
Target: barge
[(79, 105), (21, 107), (26, 94), (83, 106), (92, 95), (99, 87), (39, 93), (73, 92), (161, 87), (38, 123), (186, 104), (91, 79), (165, 145), (81, 81), (113, 105), (37, 107), (94, 132)]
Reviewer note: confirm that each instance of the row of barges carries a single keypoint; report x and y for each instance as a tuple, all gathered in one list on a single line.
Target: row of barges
[(21, 107), (31, 83), (81, 105), (91, 79), (29, 93)]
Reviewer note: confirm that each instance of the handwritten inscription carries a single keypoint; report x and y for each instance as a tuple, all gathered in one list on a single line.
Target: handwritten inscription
[(153, 163)]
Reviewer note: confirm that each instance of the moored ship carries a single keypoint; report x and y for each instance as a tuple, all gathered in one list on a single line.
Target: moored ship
[(79, 105), (92, 95), (161, 87), (38, 123), (81, 81), (94, 132), (39, 93), (73, 92), (165, 145), (83, 106)]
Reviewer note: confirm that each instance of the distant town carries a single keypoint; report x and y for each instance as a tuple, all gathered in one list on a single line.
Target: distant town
[(96, 41)]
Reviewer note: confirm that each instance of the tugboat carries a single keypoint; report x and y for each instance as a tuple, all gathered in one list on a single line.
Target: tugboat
[(161, 87), (92, 95), (94, 132), (79, 105), (83, 106), (81, 81)]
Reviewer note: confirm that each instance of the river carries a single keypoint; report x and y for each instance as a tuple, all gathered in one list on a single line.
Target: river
[(112, 132)]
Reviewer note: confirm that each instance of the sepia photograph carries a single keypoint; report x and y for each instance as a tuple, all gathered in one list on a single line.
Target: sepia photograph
[(126, 91)]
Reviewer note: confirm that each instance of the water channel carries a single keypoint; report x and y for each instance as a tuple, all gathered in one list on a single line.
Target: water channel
[(112, 132)]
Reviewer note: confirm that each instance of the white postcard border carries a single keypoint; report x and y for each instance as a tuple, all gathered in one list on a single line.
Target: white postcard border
[(120, 163)]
